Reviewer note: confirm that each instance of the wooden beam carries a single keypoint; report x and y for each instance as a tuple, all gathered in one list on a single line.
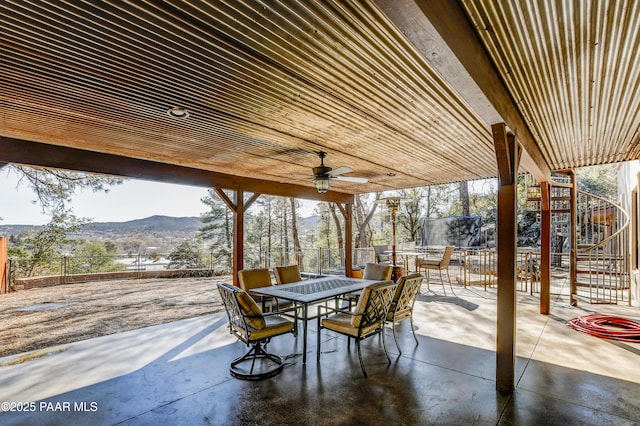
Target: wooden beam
[(573, 285), (238, 235), (59, 157), (4, 260), (545, 248), (230, 204), (506, 172), (251, 200), (442, 33), (507, 275), (347, 212)]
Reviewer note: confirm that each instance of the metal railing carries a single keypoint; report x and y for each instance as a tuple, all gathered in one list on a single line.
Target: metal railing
[(67, 269), (319, 261), (602, 255), (480, 267)]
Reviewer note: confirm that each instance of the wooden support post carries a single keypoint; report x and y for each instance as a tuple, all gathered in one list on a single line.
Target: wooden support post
[(545, 248), (348, 240), (347, 212), (508, 157), (4, 278), (238, 236), (237, 206), (574, 241)]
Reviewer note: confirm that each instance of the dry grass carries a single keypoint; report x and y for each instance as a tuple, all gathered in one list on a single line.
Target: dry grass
[(100, 308)]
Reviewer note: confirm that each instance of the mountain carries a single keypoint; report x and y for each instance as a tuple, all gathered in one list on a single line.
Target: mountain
[(310, 222), (153, 224), (149, 224)]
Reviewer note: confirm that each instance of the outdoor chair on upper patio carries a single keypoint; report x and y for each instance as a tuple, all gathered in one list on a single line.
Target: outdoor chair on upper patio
[(439, 265), (402, 304), (255, 329), (382, 253), (287, 274), (374, 271), (367, 319)]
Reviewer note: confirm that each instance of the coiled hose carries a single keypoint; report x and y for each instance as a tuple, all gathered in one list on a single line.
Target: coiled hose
[(607, 327)]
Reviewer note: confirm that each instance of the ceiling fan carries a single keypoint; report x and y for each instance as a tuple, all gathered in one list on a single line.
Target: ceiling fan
[(322, 175)]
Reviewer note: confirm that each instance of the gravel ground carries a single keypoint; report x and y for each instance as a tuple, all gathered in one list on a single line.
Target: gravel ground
[(43, 317)]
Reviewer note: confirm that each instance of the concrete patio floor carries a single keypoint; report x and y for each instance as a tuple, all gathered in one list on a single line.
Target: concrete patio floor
[(178, 374)]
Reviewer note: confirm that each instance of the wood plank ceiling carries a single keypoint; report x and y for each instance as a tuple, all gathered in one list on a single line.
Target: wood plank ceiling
[(268, 84)]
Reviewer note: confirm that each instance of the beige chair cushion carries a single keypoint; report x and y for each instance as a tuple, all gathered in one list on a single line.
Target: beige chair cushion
[(251, 310), (373, 271), (288, 274), (342, 323), (362, 304), (274, 325), (254, 278), (429, 262)]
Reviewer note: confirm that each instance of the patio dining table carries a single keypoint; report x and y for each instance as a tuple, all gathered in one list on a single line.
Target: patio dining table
[(306, 293)]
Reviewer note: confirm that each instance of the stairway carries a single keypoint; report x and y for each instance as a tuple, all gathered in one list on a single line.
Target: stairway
[(599, 231)]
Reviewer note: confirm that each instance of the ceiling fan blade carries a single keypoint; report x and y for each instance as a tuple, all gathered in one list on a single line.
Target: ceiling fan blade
[(352, 179), (340, 170)]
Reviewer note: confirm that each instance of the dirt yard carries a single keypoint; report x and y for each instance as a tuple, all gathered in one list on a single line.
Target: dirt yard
[(43, 317)]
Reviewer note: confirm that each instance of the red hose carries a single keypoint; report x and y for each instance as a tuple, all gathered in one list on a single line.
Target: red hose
[(607, 327)]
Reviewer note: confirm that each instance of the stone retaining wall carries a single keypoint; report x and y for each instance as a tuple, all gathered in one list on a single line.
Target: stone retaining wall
[(52, 280)]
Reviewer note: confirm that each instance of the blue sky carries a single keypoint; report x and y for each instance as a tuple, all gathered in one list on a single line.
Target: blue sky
[(134, 199)]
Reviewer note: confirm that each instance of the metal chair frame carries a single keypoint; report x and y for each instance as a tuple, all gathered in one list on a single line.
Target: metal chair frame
[(239, 327), (409, 288), (374, 314), (443, 263)]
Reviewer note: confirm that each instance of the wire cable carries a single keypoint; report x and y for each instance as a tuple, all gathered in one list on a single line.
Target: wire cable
[(607, 327)]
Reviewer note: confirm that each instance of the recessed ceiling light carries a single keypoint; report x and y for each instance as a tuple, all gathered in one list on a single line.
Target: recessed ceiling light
[(178, 112), (391, 174)]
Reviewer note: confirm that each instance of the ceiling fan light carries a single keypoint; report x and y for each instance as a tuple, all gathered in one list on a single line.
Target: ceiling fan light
[(322, 184)]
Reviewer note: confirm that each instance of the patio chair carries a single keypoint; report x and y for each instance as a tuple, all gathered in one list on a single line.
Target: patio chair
[(256, 278), (287, 274), (255, 329), (373, 271), (402, 304), (439, 265), (382, 253), (367, 319)]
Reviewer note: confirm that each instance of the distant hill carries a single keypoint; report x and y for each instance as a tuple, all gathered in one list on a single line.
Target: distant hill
[(149, 224), (153, 224), (310, 222)]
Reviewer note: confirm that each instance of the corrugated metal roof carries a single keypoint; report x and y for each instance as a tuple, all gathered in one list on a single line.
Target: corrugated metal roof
[(573, 69), (270, 83)]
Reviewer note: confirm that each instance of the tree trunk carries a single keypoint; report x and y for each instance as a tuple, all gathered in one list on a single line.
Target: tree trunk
[(285, 233), (336, 220), (268, 254), (362, 229), (464, 197), (296, 238)]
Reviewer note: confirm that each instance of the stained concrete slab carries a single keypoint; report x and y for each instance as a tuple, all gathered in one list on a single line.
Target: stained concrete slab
[(178, 374)]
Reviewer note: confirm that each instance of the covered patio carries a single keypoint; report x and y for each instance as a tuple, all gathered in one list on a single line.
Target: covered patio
[(242, 95), (177, 374)]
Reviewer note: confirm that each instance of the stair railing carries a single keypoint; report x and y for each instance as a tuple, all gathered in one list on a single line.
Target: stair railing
[(603, 265)]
